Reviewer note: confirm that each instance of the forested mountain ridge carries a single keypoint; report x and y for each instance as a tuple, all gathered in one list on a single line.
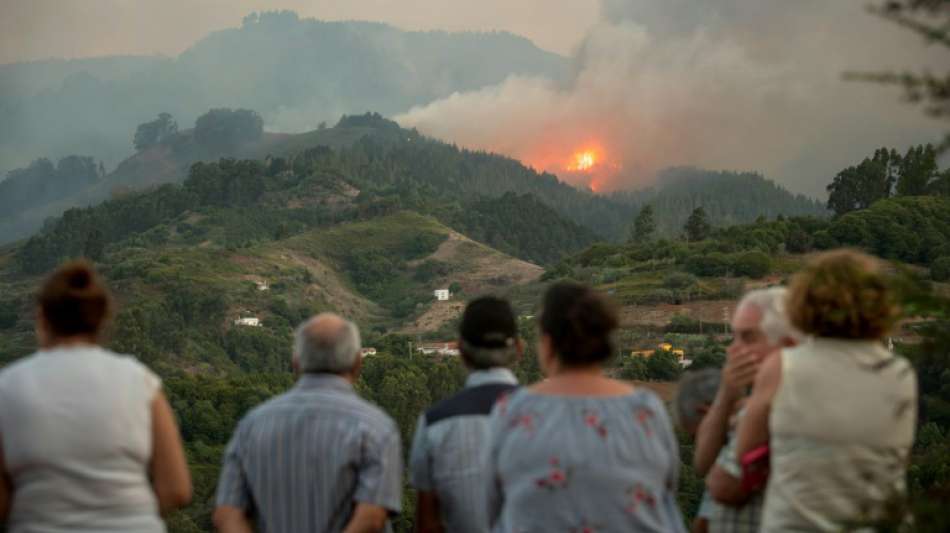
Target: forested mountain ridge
[(410, 168), (727, 197), (295, 72)]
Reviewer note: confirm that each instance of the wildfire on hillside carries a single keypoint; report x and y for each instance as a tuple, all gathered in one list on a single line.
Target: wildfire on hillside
[(587, 165)]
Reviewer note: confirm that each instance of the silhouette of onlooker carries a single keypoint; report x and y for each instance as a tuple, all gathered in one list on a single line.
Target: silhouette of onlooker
[(445, 464), (694, 396), (580, 451), (318, 457), (88, 441), (838, 410), (760, 329)]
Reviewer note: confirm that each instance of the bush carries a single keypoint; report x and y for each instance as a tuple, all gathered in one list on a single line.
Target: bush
[(940, 269), (679, 280), (798, 241), (753, 264), (708, 265), (824, 240)]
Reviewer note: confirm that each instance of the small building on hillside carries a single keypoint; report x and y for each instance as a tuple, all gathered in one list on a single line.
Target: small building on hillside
[(439, 348), (443, 295), (251, 321), (263, 286), (367, 351)]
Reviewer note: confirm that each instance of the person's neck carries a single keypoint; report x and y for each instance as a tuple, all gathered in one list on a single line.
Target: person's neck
[(348, 376), (578, 372), (74, 341)]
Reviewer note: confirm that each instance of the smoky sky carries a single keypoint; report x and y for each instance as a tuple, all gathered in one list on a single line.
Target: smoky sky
[(722, 84), (38, 29)]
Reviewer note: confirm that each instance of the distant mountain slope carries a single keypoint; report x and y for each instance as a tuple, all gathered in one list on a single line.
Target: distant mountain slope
[(295, 72), (426, 175), (166, 162), (727, 197)]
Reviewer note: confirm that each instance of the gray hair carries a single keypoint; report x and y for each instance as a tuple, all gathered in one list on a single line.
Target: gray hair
[(696, 392), (774, 323), (484, 358), (327, 343)]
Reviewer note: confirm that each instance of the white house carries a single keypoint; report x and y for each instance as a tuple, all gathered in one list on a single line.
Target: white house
[(439, 348), (442, 295), (367, 351), (263, 286), (251, 321)]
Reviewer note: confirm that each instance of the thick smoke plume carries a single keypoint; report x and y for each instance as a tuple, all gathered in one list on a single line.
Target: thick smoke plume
[(724, 84)]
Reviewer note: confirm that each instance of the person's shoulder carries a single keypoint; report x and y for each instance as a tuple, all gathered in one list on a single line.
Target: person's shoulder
[(15, 370), (471, 401), (372, 417)]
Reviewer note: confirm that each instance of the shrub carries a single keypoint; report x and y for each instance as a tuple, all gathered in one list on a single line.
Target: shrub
[(824, 240), (679, 280), (708, 265), (940, 269), (753, 264)]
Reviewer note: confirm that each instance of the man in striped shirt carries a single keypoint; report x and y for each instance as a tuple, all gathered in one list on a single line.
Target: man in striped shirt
[(448, 448), (318, 457)]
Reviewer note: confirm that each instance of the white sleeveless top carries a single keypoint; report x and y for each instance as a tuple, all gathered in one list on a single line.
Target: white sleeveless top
[(76, 427), (842, 426)]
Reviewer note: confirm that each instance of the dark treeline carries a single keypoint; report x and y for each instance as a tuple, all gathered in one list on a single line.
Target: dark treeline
[(42, 182), (886, 174)]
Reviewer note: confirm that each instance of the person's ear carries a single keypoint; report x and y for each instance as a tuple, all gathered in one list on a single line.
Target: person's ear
[(357, 368), (546, 359), (789, 342), (295, 365), (41, 328), (519, 349)]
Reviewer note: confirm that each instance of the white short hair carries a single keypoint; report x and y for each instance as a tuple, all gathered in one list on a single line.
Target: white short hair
[(327, 343), (774, 322)]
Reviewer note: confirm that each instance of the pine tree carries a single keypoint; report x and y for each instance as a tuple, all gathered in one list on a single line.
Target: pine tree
[(644, 226), (697, 225), (917, 170)]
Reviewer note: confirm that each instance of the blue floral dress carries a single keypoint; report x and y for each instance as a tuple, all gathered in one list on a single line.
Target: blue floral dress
[(579, 464)]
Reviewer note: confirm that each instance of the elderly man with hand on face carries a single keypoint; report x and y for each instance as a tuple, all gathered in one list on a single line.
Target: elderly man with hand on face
[(760, 328), (318, 457)]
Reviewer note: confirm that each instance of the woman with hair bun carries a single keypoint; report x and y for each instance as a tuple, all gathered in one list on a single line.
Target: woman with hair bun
[(88, 441), (581, 451), (839, 409)]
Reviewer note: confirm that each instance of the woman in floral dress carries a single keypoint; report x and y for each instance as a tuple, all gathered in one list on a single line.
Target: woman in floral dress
[(581, 452)]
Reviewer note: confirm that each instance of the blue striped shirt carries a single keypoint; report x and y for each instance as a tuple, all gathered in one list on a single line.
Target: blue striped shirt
[(448, 450), (302, 460)]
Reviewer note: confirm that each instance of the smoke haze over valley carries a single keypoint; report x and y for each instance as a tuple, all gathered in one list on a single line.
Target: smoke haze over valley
[(637, 85)]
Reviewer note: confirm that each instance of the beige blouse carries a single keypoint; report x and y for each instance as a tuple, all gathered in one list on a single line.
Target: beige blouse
[(842, 426)]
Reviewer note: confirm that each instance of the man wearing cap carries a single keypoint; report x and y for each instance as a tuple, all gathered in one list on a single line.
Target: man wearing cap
[(445, 463)]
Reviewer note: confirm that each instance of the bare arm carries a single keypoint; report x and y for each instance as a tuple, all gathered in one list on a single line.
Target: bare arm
[(699, 525), (737, 375), (171, 480), (229, 519), (6, 488), (754, 427), (726, 488), (367, 518), (427, 513)]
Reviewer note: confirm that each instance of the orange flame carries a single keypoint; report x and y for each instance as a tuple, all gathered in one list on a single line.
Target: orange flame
[(583, 161)]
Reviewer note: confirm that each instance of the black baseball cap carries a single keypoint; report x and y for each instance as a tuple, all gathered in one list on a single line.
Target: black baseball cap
[(489, 322)]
